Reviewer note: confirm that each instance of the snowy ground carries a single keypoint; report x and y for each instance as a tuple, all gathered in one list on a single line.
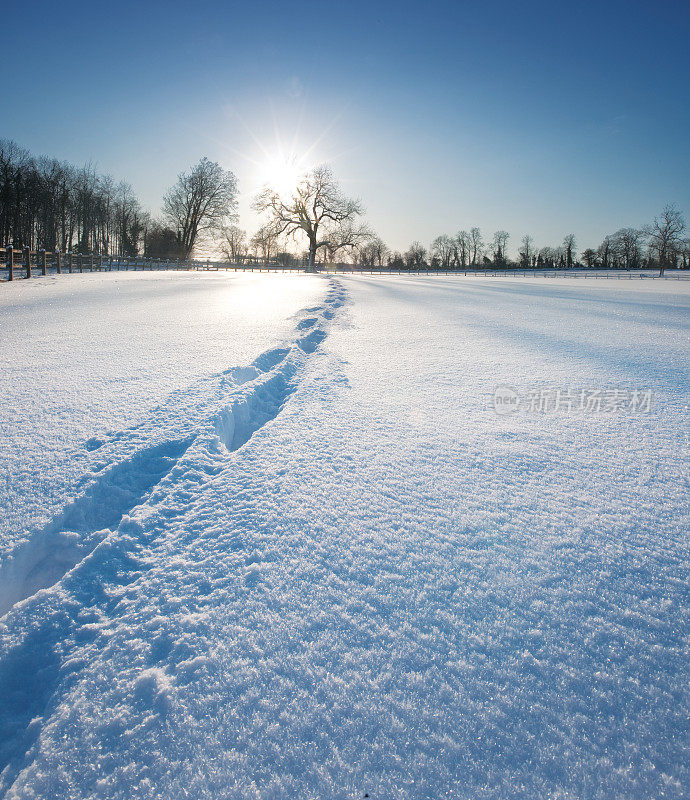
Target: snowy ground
[(83, 354), (266, 536)]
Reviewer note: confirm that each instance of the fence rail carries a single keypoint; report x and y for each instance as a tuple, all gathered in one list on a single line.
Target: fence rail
[(517, 272), (25, 263)]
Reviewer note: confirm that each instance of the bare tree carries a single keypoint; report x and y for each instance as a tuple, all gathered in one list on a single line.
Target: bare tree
[(526, 250), (604, 252), (129, 220), (317, 209), (626, 245), (348, 236), (415, 257), (234, 243), (500, 244), (201, 200), (551, 257), (396, 260), (443, 248), (685, 253), (476, 244), (462, 248), (569, 249), (589, 256), (373, 252), (666, 237), (265, 242)]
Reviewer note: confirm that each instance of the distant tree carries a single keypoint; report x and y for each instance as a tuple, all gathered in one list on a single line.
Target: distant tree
[(626, 245), (129, 219), (233, 243), (396, 261), (462, 248), (161, 241), (666, 237), (286, 259), (373, 252), (569, 250), (551, 257), (15, 166), (49, 201), (526, 250), (415, 257), (443, 249), (201, 200), (476, 244), (86, 191), (346, 239), (589, 256), (264, 242), (317, 209), (604, 252), (685, 253), (500, 244)]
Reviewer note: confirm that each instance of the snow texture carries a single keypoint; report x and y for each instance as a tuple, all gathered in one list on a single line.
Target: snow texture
[(326, 568)]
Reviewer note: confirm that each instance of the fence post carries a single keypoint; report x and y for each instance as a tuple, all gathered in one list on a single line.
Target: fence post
[(80, 261), (58, 263), (10, 262), (27, 261), (44, 262)]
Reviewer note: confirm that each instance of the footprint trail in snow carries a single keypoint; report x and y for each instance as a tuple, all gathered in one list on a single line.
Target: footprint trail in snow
[(229, 408), (89, 551)]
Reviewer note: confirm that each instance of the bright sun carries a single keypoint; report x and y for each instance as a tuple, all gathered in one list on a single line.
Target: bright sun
[(282, 173)]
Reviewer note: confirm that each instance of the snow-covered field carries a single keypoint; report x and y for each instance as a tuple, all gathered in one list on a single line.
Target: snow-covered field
[(267, 537)]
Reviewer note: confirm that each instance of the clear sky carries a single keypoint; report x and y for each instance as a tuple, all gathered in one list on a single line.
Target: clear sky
[(539, 117)]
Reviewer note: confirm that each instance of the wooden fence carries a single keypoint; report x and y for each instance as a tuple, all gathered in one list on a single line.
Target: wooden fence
[(513, 272), (25, 263)]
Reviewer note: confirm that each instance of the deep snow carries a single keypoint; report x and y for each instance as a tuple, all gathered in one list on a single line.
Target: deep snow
[(323, 566), (84, 354)]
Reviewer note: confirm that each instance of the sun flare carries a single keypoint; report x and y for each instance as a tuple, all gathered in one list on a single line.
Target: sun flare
[(282, 173)]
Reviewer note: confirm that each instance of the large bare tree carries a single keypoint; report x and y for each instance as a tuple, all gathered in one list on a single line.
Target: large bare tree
[(201, 200), (317, 209)]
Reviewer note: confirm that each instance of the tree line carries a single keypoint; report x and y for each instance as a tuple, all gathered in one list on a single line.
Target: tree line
[(660, 244), (51, 204), (55, 205)]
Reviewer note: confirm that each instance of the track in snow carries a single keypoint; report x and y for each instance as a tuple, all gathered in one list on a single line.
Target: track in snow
[(258, 393)]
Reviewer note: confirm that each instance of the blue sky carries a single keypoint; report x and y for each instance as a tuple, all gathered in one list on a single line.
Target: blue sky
[(538, 117)]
